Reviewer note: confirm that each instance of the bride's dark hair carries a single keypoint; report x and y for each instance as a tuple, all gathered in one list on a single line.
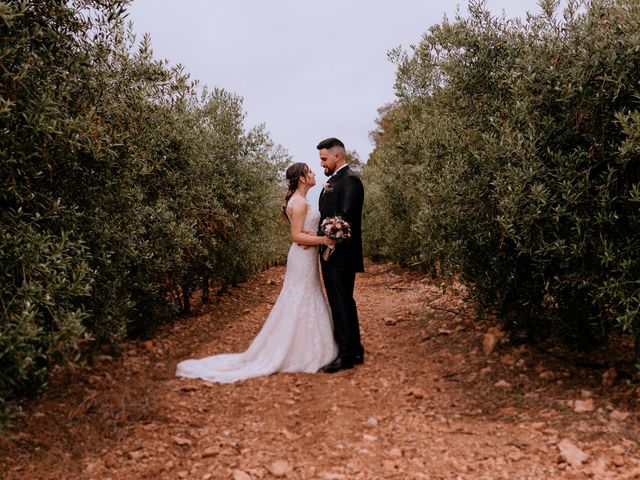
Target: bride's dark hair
[(293, 174)]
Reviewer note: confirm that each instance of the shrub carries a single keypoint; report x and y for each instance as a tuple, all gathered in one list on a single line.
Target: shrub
[(513, 149), (125, 187)]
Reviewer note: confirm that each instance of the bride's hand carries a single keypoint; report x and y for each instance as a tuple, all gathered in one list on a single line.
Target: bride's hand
[(325, 241), (329, 242)]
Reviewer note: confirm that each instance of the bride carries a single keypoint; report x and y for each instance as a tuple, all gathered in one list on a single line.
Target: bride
[(297, 335)]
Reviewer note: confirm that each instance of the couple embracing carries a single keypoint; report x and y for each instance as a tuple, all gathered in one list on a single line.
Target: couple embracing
[(304, 332)]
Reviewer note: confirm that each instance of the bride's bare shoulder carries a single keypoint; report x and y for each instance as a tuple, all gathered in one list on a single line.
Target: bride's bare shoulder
[(297, 206)]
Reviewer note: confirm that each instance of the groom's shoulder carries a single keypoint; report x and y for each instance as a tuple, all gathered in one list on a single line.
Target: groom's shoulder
[(351, 177), (348, 174)]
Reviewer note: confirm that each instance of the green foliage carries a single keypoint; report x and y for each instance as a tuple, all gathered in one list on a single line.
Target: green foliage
[(124, 187), (353, 160), (512, 156)]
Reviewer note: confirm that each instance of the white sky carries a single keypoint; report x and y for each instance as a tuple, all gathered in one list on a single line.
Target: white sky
[(307, 70)]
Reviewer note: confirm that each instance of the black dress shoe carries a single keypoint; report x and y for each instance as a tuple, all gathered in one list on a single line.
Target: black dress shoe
[(358, 359), (340, 363)]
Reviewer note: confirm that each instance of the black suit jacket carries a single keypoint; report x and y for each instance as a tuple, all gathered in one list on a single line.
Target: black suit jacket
[(345, 197)]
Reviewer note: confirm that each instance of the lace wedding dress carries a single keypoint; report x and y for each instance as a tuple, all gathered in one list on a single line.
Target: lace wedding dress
[(297, 335)]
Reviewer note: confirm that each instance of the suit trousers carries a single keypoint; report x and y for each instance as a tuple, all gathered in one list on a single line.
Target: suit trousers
[(339, 284)]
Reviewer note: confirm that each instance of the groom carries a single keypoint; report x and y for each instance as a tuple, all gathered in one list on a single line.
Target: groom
[(342, 195)]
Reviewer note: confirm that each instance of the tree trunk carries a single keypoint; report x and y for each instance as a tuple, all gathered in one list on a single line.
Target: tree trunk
[(205, 290)]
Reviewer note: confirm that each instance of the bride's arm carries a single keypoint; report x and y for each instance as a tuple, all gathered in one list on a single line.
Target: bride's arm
[(298, 211)]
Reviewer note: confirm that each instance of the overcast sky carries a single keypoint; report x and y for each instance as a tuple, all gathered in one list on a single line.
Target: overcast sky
[(306, 69)]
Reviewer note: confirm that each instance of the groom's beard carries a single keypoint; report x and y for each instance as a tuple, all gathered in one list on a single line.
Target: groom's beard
[(328, 172)]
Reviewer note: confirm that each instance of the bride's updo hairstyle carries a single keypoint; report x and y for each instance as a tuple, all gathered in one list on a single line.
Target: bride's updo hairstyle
[(293, 174)]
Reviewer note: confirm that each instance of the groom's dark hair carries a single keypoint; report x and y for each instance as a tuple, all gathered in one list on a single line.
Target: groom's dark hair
[(330, 143)]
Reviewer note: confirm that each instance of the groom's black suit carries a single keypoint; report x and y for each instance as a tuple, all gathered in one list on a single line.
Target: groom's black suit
[(344, 196)]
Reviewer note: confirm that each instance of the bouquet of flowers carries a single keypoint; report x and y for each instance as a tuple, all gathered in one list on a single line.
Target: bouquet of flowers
[(336, 228)]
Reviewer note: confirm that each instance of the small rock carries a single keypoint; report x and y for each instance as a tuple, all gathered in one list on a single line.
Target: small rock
[(241, 475), (552, 440), (599, 468), (290, 435), (137, 454), (279, 468), (507, 359), (372, 422), (246, 311), (571, 454), (148, 345), (183, 474), (207, 476), (586, 393), (502, 384), (583, 406), (188, 388), (547, 375), (609, 377), (333, 476), (516, 455), (548, 413), (210, 452), (417, 392), (369, 438), (92, 466), (183, 442), (395, 452), (489, 343), (388, 321), (485, 371), (619, 416)]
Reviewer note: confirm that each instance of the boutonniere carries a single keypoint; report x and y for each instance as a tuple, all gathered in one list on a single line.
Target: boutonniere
[(327, 187)]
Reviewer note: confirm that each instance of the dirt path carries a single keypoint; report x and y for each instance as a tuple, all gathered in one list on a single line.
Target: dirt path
[(427, 404)]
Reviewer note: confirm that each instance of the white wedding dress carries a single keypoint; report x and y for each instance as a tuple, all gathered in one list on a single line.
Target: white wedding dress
[(297, 335)]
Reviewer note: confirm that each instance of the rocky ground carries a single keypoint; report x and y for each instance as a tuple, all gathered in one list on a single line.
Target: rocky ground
[(442, 395)]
